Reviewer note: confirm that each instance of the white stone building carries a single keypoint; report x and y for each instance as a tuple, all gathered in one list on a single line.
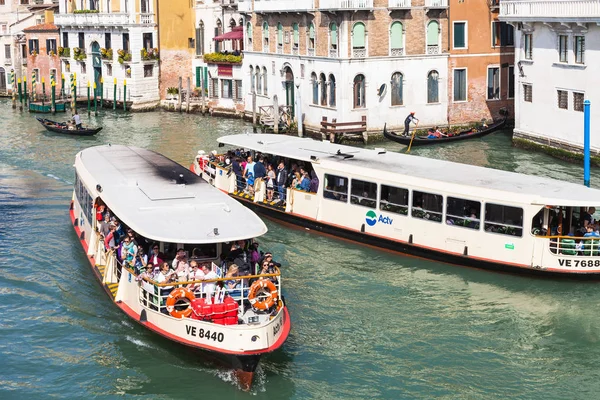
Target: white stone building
[(379, 59), (125, 27), (556, 55), (222, 81)]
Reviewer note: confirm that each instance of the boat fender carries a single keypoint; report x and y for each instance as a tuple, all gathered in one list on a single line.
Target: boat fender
[(263, 286), (174, 297), (410, 239), (466, 251)]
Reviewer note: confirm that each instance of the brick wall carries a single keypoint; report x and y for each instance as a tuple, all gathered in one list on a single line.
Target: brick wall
[(43, 62), (174, 64)]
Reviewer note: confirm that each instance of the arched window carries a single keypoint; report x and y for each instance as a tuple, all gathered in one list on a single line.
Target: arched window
[(396, 89), (358, 40), (200, 39), (241, 22), (252, 80), (258, 81), (311, 39), (333, 40), (396, 39), (218, 31), (232, 23), (265, 37), (315, 88), (279, 38), (433, 37), (432, 87), (323, 83), (264, 76), (296, 34), (249, 34), (359, 91), (331, 90)]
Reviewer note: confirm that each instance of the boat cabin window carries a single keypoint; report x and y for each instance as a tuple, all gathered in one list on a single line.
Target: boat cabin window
[(336, 188), (427, 206), (505, 220), (84, 199), (206, 251), (394, 200), (363, 193), (462, 212)]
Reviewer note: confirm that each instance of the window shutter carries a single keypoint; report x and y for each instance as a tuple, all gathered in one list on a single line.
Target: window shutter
[(279, 34), (198, 79), (459, 34), (396, 35), (311, 31), (432, 33), (296, 34), (358, 35), (333, 29)]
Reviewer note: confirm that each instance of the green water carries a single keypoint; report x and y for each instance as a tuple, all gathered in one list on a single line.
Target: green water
[(366, 323)]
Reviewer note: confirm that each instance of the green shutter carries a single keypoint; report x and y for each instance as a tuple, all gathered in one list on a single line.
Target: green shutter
[(333, 30), (198, 79), (396, 35), (205, 71), (296, 34), (311, 31), (249, 30), (358, 35), (279, 34), (265, 30), (433, 33), (459, 34)]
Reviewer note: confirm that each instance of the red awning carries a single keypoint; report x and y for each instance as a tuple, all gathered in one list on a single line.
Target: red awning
[(236, 34)]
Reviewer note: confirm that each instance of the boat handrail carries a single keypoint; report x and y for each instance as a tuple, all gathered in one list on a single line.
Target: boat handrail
[(232, 278), (580, 246)]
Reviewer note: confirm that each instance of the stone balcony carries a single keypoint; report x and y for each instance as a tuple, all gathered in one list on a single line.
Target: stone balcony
[(399, 4), (550, 10), (283, 5), (436, 4), (102, 19), (346, 4)]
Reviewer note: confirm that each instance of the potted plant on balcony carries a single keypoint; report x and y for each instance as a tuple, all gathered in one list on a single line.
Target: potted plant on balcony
[(51, 53), (64, 52), (124, 55), (106, 54), (79, 54), (222, 58)]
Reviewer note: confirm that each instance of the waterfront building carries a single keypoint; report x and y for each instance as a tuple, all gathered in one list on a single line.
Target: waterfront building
[(176, 43), (42, 55), (111, 40), (554, 70), (217, 64), (15, 16), (481, 63), (379, 59)]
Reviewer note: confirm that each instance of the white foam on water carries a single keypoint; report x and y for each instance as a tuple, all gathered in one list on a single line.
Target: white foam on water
[(139, 342)]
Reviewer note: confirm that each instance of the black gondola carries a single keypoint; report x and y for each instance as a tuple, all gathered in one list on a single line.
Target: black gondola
[(61, 127), (463, 135)]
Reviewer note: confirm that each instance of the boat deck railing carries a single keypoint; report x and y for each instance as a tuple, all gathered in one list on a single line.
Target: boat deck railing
[(588, 246)]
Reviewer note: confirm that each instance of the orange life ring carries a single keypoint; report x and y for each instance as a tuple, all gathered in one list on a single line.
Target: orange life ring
[(176, 295), (264, 286)]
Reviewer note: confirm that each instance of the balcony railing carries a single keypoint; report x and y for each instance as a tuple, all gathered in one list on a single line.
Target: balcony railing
[(397, 52), (333, 53), (146, 19), (92, 19), (283, 5), (279, 49), (399, 3), (346, 4), (433, 49), (436, 3), (549, 9), (310, 52), (245, 5), (360, 52)]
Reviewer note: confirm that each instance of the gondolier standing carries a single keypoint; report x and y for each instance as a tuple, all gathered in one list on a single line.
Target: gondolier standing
[(77, 120), (408, 120)]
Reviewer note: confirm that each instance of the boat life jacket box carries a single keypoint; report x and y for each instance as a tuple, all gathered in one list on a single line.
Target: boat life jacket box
[(225, 313)]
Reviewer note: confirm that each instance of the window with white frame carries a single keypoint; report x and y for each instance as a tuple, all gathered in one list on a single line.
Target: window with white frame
[(579, 49), (108, 69), (396, 89), (460, 84), (148, 70), (563, 48), (528, 45), (527, 93), (315, 88), (359, 91), (359, 49), (578, 99), (433, 37), (562, 97), (226, 89), (331, 90), (252, 80), (433, 95), (279, 38), (493, 83), (264, 78), (249, 35), (258, 81), (214, 88), (296, 38), (311, 39), (265, 37), (459, 35), (333, 40), (323, 83)]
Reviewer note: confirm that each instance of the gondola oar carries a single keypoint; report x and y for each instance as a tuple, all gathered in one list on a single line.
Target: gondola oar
[(413, 136)]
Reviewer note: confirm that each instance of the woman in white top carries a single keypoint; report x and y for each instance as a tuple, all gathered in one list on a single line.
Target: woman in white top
[(270, 179)]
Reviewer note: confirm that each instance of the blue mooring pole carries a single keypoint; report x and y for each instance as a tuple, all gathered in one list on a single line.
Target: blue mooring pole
[(586, 143)]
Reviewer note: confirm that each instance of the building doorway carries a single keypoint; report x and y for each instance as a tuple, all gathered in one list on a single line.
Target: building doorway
[(289, 89), (97, 64), (2, 80)]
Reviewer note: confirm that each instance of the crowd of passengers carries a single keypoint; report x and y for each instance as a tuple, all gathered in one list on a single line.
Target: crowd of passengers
[(241, 258), (278, 174)]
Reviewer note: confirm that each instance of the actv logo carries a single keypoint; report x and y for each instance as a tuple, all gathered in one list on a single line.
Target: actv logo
[(371, 219)]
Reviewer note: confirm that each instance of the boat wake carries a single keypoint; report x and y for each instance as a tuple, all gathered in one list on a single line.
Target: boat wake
[(141, 343), (259, 384)]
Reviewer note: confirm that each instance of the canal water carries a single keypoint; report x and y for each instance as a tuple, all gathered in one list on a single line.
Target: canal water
[(366, 323)]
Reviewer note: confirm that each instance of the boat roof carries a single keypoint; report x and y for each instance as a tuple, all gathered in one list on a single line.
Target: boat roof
[(162, 200), (377, 162)]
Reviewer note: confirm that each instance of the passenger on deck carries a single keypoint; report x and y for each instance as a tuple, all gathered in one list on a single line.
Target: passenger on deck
[(305, 182), (196, 274), (182, 270), (141, 260), (314, 182), (260, 172), (270, 182), (156, 257), (269, 258), (128, 251), (209, 287), (232, 272), (239, 172), (165, 275), (281, 177), (104, 227), (109, 240), (249, 169), (590, 232), (179, 257), (297, 180), (291, 175), (588, 218)]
